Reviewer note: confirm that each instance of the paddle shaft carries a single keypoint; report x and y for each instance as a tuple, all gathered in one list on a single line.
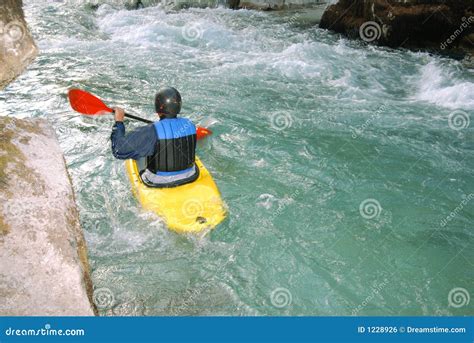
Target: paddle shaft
[(200, 131), (131, 116)]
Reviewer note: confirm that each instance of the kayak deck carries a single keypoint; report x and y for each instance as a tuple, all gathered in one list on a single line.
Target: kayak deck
[(189, 208)]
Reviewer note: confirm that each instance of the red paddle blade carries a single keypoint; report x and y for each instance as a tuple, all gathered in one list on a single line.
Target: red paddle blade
[(86, 103), (202, 132)]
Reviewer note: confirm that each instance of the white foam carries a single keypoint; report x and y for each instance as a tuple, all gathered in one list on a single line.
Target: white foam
[(440, 86), (343, 82), (223, 44), (156, 28), (266, 200)]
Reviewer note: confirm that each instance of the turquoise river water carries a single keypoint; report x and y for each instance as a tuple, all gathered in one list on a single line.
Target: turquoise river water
[(347, 169)]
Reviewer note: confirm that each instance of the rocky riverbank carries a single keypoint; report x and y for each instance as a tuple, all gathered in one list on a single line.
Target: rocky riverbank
[(446, 27), (268, 5), (17, 48), (265, 5), (44, 269)]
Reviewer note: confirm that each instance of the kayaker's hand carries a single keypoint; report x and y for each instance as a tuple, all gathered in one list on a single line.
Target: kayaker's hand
[(119, 114)]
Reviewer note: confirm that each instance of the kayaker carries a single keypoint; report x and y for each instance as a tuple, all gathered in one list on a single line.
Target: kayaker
[(169, 145)]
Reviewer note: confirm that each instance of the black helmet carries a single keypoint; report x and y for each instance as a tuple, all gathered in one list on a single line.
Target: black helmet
[(168, 102)]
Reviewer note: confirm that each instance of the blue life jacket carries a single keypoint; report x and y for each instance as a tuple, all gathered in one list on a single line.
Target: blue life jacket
[(175, 150)]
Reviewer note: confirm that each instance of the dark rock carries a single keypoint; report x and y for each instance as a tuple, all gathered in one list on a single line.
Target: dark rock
[(233, 4), (438, 24)]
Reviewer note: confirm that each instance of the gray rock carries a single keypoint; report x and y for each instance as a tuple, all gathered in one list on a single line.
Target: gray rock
[(17, 48), (44, 269)]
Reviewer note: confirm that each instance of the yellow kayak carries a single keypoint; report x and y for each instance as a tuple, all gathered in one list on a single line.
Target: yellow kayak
[(189, 208)]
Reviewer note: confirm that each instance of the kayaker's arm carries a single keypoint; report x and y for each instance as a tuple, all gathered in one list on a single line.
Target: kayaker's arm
[(139, 143)]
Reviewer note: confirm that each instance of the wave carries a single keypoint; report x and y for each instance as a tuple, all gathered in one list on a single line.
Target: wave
[(442, 87)]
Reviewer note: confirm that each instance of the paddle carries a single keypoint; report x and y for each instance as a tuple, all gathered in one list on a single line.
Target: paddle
[(88, 104)]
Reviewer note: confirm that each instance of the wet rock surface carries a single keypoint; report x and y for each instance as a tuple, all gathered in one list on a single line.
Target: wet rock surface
[(444, 26), (17, 48), (44, 269)]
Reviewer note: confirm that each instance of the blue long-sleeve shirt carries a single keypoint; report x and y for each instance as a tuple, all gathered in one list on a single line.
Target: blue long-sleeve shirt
[(138, 143)]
